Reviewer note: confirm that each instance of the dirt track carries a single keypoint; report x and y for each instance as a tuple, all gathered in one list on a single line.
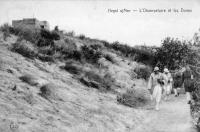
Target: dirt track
[(173, 116)]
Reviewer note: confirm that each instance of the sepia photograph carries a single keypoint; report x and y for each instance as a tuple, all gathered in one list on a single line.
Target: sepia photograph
[(99, 66)]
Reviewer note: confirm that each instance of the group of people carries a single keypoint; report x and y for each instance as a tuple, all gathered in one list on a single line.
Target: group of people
[(160, 85)]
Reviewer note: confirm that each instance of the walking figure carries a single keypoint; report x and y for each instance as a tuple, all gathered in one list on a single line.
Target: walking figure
[(188, 83), (167, 83), (153, 80)]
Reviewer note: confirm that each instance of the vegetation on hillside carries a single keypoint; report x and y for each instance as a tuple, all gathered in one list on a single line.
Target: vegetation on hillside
[(52, 46)]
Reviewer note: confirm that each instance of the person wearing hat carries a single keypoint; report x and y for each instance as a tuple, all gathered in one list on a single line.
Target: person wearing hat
[(157, 93), (153, 80), (167, 83)]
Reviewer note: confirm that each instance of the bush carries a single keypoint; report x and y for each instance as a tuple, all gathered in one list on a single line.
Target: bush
[(28, 34), (195, 107), (24, 48), (49, 35), (5, 28), (92, 79), (142, 72), (47, 38), (42, 42), (82, 36), (71, 33), (25, 33), (91, 55), (68, 49), (142, 54), (106, 44), (133, 98), (47, 50), (48, 91), (46, 58), (38, 37), (73, 67), (30, 79), (109, 58)]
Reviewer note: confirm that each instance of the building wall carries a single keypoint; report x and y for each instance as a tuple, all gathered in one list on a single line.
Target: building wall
[(31, 23), (45, 24)]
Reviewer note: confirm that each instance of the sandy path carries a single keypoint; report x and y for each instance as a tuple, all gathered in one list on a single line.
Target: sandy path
[(173, 116)]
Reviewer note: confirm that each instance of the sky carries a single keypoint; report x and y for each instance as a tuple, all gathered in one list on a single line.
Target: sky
[(94, 19)]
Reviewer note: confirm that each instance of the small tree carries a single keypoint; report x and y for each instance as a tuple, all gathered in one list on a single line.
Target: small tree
[(173, 53)]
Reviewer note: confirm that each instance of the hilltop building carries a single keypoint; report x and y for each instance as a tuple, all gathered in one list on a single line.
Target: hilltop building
[(32, 23)]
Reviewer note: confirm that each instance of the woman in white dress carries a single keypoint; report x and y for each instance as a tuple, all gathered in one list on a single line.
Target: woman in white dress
[(153, 80), (157, 93), (167, 83)]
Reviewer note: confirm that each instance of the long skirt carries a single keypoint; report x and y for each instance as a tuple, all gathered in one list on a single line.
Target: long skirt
[(167, 88), (157, 93)]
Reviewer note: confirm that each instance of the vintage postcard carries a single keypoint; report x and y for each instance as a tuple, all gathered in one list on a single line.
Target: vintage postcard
[(99, 66)]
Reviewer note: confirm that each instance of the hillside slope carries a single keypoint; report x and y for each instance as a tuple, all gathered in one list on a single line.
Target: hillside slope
[(75, 106)]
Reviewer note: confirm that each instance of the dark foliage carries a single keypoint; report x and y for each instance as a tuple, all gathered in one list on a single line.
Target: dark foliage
[(73, 67), (142, 72), (109, 58), (30, 79), (92, 79), (133, 98), (82, 36), (142, 54), (173, 54), (24, 48), (48, 91), (90, 55)]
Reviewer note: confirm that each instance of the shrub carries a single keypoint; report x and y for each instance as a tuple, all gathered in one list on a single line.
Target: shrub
[(47, 50), (42, 42), (142, 72), (24, 48), (142, 54), (47, 38), (90, 55), (25, 33), (28, 34), (73, 67), (46, 34), (82, 36), (92, 79), (109, 58), (96, 46), (69, 45), (195, 106), (48, 91), (106, 44), (71, 33), (46, 58), (133, 98), (5, 28), (38, 37), (68, 49), (30, 79)]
